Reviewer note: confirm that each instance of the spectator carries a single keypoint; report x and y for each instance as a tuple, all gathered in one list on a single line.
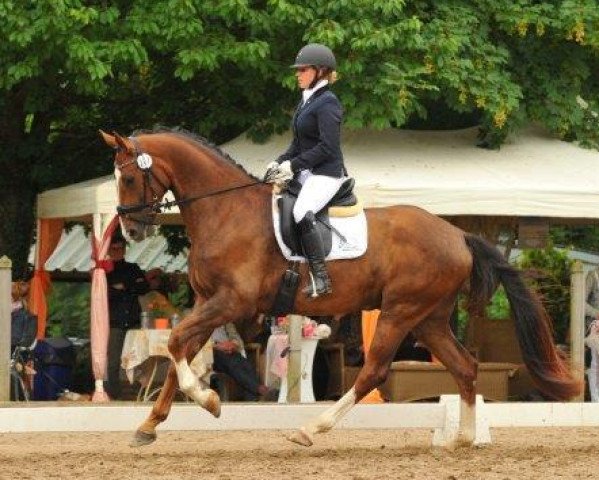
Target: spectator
[(350, 334), (23, 323), (126, 282), (229, 358), (591, 309), (591, 312)]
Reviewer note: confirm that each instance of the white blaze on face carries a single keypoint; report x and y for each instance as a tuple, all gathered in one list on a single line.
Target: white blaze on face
[(124, 230), (117, 176), (144, 230)]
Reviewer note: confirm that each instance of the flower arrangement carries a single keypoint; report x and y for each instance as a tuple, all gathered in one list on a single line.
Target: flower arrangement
[(156, 310), (280, 326), (308, 327)]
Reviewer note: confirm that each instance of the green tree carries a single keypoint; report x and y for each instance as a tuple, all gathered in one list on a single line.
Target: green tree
[(549, 272), (584, 237), (68, 309), (219, 67), (70, 67)]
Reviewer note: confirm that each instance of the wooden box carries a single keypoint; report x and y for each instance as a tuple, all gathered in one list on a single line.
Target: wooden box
[(408, 381)]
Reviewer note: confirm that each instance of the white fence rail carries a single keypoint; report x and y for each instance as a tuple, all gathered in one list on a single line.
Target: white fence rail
[(443, 417)]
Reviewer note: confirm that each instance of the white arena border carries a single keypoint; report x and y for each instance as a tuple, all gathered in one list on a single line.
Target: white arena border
[(443, 417)]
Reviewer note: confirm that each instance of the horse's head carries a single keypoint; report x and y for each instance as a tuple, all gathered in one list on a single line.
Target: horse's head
[(139, 188)]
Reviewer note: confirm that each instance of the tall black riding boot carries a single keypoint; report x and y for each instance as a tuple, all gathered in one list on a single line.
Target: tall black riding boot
[(314, 250)]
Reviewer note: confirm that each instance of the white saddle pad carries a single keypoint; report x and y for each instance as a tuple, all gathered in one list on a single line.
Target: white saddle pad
[(354, 229)]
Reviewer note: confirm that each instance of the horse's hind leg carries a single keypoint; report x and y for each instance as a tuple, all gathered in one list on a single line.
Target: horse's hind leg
[(435, 333), (390, 331)]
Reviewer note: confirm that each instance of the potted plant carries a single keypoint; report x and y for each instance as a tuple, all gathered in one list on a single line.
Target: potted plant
[(159, 316)]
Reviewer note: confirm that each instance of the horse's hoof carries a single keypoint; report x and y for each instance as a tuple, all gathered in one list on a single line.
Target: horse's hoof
[(464, 443), (213, 403), (465, 439), (301, 437), (141, 439)]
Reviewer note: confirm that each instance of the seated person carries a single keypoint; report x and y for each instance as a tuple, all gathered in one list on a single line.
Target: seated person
[(350, 334), (229, 358)]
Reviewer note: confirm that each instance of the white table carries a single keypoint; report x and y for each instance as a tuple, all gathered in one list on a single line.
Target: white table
[(276, 367), (144, 349)]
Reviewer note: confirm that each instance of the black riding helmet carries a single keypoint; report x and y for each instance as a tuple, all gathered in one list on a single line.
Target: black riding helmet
[(317, 55)]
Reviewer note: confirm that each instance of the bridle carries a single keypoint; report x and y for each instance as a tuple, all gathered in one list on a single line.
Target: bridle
[(143, 162), (149, 210)]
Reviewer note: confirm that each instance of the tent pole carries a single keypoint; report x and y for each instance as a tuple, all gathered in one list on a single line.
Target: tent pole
[(577, 324), (5, 325)]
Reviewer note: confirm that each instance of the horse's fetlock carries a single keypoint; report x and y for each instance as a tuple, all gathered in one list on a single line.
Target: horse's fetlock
[(159, 417)]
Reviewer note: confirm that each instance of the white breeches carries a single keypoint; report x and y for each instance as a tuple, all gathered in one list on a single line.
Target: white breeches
[(316, 192)]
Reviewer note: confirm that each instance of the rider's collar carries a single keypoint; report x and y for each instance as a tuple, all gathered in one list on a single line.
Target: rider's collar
[(308, 92)]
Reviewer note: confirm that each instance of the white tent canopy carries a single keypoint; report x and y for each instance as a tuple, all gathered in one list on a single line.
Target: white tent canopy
[(74, 254), (443, 172), (533, 174)]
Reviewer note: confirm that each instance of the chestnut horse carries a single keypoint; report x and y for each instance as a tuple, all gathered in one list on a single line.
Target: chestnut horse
[(415, 265)]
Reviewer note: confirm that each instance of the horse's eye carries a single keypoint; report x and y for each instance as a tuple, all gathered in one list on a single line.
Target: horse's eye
[(128, 180)]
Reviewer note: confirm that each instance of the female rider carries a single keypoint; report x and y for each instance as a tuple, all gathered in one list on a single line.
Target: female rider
[(314, 157)]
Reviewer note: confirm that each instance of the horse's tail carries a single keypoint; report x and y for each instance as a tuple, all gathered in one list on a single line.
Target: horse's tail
[(547, 368)]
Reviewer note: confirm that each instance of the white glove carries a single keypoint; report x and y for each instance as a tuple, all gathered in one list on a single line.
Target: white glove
[(271, 168), (284, 172)]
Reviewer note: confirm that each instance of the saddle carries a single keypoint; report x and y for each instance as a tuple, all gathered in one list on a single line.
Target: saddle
[(343, 204)]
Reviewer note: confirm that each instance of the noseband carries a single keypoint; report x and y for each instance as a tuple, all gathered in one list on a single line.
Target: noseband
[(143, 162)]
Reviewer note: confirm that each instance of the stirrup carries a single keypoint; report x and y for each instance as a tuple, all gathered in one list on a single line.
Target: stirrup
[(312, 291)]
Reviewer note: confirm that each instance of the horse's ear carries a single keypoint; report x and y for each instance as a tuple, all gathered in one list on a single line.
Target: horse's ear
[(109, 139), (124, 143)]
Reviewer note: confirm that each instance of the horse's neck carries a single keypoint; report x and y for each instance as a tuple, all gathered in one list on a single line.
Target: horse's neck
[(197, 172)]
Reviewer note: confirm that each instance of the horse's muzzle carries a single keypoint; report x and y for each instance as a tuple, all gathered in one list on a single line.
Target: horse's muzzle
[(139, 227)]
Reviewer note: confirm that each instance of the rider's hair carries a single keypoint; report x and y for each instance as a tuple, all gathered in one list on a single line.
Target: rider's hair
[(327, 74), (331, 76)]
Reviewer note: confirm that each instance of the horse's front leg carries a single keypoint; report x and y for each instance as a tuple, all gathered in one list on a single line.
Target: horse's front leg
[(146, 433), (218, 310)]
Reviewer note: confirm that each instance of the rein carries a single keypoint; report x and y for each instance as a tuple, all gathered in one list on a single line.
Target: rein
[(144, 163), (158, 206)]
